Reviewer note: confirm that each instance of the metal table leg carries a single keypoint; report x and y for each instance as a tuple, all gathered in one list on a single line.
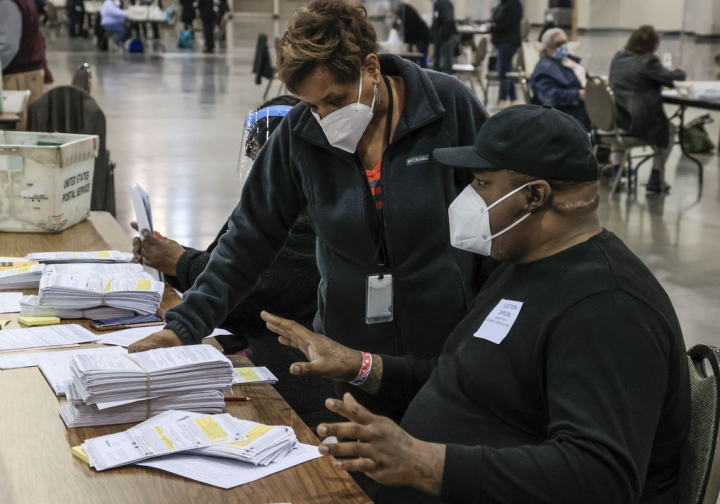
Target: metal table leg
[(682, 145)]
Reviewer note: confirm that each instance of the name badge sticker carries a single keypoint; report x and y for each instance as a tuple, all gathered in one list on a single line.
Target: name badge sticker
[(497, 325)]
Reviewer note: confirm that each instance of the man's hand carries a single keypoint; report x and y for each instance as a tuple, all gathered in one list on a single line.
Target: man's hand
[(327, 358), (156, 251), (385, 452), (163, 339), (582, 94)]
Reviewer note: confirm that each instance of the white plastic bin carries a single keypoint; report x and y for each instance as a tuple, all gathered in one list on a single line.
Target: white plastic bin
[(45, 180)]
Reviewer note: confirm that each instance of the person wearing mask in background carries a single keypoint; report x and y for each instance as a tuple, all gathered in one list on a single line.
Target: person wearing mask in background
[(636, 77), (559, 80), (506, 37), (539, 396), (22, 51), (289, 285), (207, 15), (113, 19), (443, 34), (355, 155), (415, 32)]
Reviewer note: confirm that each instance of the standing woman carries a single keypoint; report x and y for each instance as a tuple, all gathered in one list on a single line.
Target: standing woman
[(357, 155), (188, 14), (505, 30)]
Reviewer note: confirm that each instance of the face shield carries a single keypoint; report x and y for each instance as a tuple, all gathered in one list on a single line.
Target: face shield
[(259, 125)]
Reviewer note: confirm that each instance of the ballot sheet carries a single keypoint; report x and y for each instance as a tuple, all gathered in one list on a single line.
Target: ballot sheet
[(44, 337), (103, 256), (226, 473), (10, 302), (161, 435), (253, 375), (55, 366), (127, 337), (143, 216)]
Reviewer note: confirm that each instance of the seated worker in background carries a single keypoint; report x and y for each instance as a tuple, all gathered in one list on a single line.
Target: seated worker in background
[(566, 383), (559, 80), (636, 78), (112, 19), (415, 32), (289, 286), (22, 51)]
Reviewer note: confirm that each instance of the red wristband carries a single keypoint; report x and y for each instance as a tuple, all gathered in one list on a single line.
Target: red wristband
[(364, 370)]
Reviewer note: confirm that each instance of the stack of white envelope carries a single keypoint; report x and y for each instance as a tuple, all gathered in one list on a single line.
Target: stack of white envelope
[(155, 373), (78, 414), (101, 256), (29, 308), (130, 290), (24, 277), (264, 445)]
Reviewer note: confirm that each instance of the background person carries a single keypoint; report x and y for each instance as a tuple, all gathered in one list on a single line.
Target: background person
[(415, 32), (113, 19), (22, 51), (506, 37), (559, 80), (188, 14), (443, 34), (207, 15), (535, 397), (288, 286), (345, 156), (636, 77)]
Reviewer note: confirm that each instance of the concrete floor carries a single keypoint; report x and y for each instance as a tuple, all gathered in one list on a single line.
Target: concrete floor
[(175, 123)]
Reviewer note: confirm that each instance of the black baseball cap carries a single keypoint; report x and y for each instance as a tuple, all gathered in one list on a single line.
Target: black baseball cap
[(535, 140)]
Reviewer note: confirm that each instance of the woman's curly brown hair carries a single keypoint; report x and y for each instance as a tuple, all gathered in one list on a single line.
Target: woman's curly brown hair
[(333, 34), (644, 40)]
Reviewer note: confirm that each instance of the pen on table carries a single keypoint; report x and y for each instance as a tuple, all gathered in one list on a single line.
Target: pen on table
[(234, 398)]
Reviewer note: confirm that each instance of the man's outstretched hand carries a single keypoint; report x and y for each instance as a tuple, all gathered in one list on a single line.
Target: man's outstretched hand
[(383, 450), (327, 358), (163, 339)]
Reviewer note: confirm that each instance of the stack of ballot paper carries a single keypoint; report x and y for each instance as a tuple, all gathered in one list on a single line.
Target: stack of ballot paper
[(264, 444), (131, 290), (102, 256), (24, 277), (91, 269), (169, 432), (10, 302), (253, 375), (78, 414), (29, 308), (46, 337), (55, 366), (155, 373)]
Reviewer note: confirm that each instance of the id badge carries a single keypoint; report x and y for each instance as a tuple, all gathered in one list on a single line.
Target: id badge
[(379, 299)]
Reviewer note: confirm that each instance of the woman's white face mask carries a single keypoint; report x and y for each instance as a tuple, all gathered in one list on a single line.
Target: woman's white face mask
[(345, 127), (470, 221)]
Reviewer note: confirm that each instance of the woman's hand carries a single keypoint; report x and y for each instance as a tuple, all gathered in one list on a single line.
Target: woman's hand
[(384, 451), (156, 251), (327, 358), (163, 339)]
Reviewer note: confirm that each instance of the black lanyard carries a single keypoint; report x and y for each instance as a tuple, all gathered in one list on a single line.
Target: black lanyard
[(381, 250)]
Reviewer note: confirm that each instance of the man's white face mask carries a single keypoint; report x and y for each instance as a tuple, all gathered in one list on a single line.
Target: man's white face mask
[(470, 221), (345, 127)]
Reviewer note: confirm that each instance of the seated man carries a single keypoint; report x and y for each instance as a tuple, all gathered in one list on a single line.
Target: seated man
[(559, 80), (567, 381), (289, 286), (112, 19)]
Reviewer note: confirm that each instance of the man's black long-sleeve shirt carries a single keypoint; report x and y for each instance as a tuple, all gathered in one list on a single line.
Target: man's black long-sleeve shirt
[(585, 400)]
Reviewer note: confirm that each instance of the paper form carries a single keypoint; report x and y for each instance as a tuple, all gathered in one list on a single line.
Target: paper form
[(44, 337), (143, 216), (253, 375), (151, 439), (95, 256), (10, 302), (176, 357), (226, 473), (127, 337)]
